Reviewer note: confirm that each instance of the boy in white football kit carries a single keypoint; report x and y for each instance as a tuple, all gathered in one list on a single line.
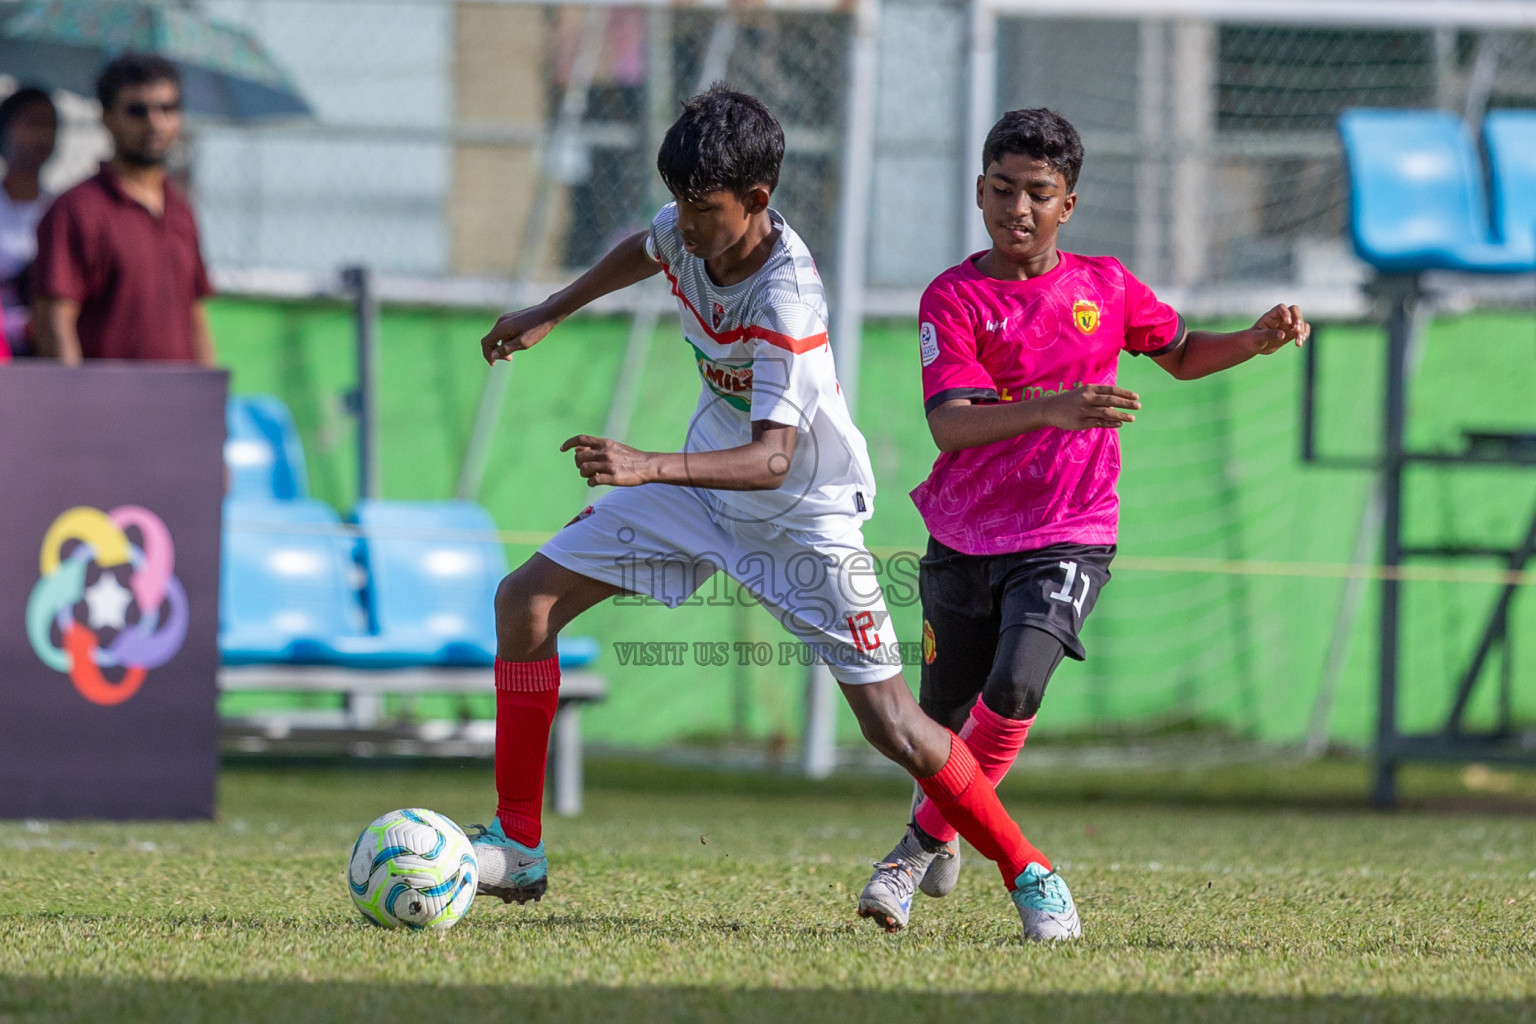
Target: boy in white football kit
[(772, 486), (763, 355)]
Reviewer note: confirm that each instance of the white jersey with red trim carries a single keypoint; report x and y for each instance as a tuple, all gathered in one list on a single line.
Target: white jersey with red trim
[(762, 352)]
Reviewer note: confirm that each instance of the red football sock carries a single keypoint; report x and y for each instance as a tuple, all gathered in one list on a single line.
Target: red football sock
[(968, 801), (527, 693), (996, 742)]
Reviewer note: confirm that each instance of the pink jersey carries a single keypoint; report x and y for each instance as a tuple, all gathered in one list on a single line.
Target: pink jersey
[(1011, 341)]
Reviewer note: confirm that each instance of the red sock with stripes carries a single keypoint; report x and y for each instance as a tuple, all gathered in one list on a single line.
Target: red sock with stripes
[(968, 802), (527, 693)]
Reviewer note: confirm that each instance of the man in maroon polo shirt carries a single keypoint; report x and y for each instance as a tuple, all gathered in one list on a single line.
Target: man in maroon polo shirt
[(118, 273)]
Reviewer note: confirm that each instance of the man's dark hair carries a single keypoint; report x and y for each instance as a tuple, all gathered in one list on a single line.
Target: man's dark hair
[(725, 141), (21, 99), (134, 69), (1040, 134)]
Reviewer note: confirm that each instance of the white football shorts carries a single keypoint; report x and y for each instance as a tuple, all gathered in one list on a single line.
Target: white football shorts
[(663, 542)]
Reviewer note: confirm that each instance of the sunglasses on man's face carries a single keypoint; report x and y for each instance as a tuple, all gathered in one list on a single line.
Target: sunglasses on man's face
[(142, 110)]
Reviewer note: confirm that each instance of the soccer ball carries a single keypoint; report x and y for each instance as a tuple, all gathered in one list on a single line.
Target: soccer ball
[(413, 868)]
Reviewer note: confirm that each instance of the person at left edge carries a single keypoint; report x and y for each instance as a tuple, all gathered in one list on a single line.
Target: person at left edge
[(119, 273), (29, 125)]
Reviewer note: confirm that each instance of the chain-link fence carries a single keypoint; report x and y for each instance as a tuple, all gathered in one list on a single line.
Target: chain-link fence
[(498, 140), (1212, 157), (516, 141)]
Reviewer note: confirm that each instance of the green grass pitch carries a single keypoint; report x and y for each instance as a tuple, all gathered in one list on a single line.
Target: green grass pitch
[(1255, 894)]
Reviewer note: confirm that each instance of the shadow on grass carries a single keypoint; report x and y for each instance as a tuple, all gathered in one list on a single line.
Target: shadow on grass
[(30, 999)]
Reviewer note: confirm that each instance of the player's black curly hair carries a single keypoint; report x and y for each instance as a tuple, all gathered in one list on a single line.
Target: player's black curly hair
[(1038, 133), (725, 141), (134, 69)]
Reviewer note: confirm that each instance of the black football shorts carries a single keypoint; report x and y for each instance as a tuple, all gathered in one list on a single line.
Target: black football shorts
[(969, 600)]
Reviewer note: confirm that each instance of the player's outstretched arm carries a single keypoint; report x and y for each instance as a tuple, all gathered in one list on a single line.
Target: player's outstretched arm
[(960, 424), (759, 465), (625, 264), (1206, 352)]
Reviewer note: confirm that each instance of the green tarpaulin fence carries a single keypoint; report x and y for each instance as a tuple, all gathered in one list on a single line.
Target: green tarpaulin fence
[(1196, 628)]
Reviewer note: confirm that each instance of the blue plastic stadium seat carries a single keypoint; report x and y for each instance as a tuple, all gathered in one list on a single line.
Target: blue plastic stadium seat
[(287, 582), (1417, 200), (262, 450), (1510, 138), (578, 651), (433, 570)]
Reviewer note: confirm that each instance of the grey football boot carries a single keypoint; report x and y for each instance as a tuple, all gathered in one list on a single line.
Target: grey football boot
[(887, 899), (888, 896), (943, 872)]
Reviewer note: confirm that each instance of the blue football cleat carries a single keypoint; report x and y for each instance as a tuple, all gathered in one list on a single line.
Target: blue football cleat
[(1045, 905), (509, 870)]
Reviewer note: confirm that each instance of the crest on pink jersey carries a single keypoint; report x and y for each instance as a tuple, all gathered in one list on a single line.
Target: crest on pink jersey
[(1085, 315)]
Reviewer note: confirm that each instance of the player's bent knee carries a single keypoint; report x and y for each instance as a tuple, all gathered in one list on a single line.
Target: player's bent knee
[(894, 725), (522, 618), (513, 601), (1014, 698), (1026, 657), (899, 735), (893, 744)]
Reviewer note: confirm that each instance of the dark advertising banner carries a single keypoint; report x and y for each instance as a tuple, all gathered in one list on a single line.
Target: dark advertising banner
[(111, 478)]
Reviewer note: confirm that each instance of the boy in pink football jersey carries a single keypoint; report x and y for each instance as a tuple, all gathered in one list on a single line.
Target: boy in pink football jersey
[(1019, 347)]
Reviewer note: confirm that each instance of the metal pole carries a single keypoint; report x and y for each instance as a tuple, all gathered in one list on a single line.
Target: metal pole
[(654, 299), (536, 237), (365, 314), (1403, 297), (980, 112), (637, 352), (1152, 170), (1367, 536), (853, 212), (820, 753), (1193, 101), (819, 756), (660, 94)]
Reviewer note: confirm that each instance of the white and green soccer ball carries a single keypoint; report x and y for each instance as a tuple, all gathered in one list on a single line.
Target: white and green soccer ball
[(413, 868)]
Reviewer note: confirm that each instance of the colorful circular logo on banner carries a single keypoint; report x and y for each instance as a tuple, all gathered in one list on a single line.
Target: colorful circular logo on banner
[(108, 607)]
